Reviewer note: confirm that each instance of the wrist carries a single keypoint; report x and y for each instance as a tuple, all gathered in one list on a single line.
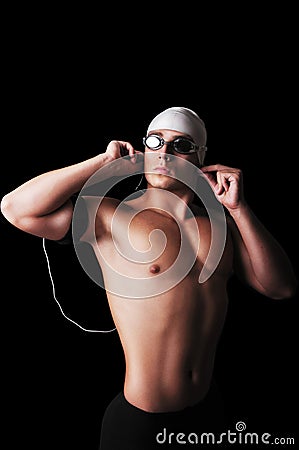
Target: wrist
[(102, 159), (237, 212)]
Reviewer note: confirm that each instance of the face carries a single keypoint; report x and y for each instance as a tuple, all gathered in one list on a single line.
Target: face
[(163, 165)]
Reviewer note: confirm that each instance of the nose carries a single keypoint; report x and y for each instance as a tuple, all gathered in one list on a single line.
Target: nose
[(165, 151), (163, 156)]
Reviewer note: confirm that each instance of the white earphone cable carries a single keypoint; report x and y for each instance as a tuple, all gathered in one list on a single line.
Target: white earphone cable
[(54, 295)]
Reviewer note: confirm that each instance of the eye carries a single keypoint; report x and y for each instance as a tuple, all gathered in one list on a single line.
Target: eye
[(153, 141), (183, 145)]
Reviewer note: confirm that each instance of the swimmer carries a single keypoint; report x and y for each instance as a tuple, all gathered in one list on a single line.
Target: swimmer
[(169, 337)]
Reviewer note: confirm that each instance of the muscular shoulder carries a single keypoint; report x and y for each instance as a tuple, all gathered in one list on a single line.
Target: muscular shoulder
[(204, 219), (222, 235), (104, 215)]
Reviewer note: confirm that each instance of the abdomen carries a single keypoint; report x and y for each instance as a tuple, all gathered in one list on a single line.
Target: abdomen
[(170, 343)]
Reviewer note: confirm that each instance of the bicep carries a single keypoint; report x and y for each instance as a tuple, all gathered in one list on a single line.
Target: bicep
[(53, 226)]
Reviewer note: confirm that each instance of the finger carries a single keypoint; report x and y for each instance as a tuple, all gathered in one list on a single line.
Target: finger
[(225, 180), (135, 156), (132, 153), (139, 156), (127, 149), (210, 178), (219, 188), (216, 168)]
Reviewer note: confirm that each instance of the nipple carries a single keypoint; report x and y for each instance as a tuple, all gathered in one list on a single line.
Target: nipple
[(155, 268)]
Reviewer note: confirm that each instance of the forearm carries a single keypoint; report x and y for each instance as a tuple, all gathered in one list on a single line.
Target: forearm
[(49, 191), (270, 264)]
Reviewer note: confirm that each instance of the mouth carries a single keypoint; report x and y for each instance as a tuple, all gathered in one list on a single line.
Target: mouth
[(162, 170)]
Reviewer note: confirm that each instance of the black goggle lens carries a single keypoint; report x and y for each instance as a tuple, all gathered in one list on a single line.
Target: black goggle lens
[(183, 145), (180, 145)]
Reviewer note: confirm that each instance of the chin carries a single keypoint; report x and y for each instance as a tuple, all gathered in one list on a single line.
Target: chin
[(161, 181)]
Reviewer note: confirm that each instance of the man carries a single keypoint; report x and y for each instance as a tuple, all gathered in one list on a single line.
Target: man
[(153, 250)]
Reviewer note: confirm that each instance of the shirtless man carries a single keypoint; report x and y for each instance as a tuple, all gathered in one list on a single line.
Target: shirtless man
[(169, 336)]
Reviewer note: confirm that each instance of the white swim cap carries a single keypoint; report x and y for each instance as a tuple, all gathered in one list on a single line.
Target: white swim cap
[(181, 119)]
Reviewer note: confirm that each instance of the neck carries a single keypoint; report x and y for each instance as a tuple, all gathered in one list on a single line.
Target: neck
[(175, 201)]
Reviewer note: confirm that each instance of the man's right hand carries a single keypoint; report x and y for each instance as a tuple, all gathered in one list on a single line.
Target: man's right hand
[(120, 149)]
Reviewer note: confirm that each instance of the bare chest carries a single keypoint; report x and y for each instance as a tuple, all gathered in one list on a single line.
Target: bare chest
[(151, 244)]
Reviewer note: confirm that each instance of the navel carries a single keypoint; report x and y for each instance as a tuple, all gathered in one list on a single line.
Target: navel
[(155, 269)]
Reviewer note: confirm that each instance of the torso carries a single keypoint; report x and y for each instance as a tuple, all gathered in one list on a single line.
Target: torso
[(170, 335)]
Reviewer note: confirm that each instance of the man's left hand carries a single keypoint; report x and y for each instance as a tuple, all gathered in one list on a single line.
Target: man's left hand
[(227, 184)]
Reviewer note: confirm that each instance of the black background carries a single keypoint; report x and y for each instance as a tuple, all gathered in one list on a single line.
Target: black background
[(69, 89)]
